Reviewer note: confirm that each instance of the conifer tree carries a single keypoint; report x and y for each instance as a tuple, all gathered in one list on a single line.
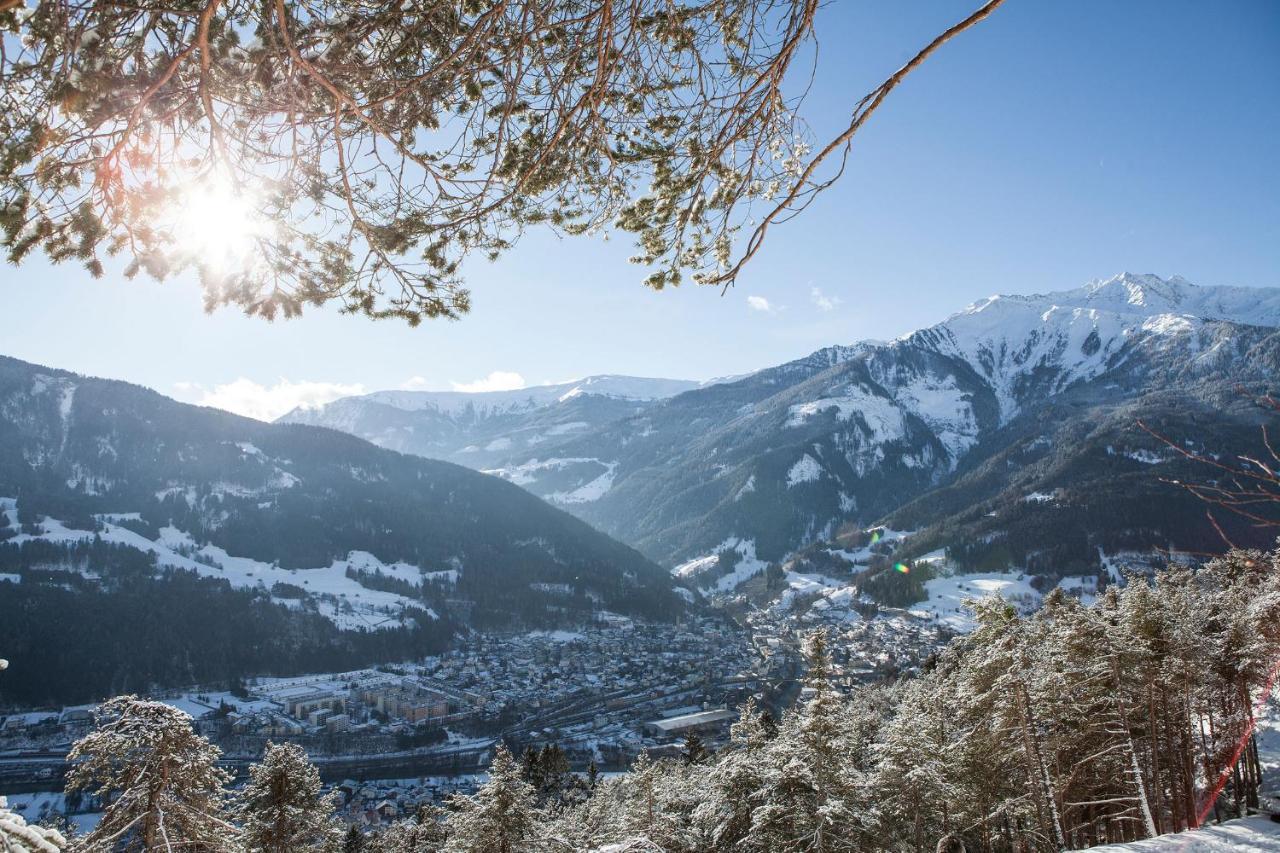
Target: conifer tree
[(281, 808), (498, 818), (694, 750), (807, 800), (353, 841), (162, 787), (724, 817)]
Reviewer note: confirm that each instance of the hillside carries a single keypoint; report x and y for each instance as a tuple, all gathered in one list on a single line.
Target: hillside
[(481, 429), (1013, 396), (108, 489)]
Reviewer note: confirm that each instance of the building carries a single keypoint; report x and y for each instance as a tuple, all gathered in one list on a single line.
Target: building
[(301, 701), (703, 722), (410, 703)]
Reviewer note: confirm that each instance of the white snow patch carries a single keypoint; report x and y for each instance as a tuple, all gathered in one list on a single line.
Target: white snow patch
[(806, 470), (1246, 835), (749, 565), (564, 429), (351, 605), (555, 636), (881, 415), (696, 566), (1083, 587), (590, 491), (946, 596)]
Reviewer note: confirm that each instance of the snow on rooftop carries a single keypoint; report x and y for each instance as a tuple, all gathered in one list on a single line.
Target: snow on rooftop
[(701, 718)]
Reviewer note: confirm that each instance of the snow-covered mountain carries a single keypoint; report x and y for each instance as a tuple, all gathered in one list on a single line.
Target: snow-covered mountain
[(767, 463), (265, 503), (491, 403), (479, 429), (1028, 346)]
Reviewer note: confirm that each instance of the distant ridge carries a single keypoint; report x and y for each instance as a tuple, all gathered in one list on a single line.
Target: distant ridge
[(767, 463)]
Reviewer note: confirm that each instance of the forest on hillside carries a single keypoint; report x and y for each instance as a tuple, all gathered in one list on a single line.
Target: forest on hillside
[(1075, 726)]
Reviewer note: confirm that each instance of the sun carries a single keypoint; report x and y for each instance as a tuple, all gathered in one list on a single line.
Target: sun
[(217, 224)]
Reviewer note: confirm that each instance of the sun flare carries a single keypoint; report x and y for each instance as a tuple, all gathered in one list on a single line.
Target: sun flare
[(217, 224)]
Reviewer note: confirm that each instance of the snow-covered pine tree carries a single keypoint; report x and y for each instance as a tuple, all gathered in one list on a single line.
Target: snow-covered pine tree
[(159, 779), (809, 799), (17, 836), (353, 841), (281, 809), (914, 795), (498, 818), (724, 816), (658, 798)]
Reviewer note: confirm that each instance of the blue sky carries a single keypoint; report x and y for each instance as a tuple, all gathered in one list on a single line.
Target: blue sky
[(1054, 144)]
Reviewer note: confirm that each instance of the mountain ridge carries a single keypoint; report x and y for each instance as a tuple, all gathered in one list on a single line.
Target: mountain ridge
[(84, 446), (790, 454)]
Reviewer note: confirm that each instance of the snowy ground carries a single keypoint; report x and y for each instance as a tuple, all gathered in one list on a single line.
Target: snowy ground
[(748, 566), (35, 808), (1248, 835), (948, 594), (831, 592), (199, 703), (528, 473), (343, 600)]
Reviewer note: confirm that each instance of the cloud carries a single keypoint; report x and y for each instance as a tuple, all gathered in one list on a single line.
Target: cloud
[(499, 380), (759, 303), (824, 302), (246, 397), (243, 396)]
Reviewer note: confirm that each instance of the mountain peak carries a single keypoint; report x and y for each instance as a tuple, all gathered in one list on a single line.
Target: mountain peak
[(1149, 295), (1142, 291), (1134, 296)]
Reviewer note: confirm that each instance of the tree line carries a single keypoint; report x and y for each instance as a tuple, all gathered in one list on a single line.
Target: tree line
[(75, 641), (1075, 726)]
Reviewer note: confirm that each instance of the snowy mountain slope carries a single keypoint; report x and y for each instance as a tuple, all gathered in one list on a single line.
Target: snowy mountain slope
[(489, 403), (787, 455), (1027, 347), (1074, 476), (333, 590), (290, 497), (480, 429)]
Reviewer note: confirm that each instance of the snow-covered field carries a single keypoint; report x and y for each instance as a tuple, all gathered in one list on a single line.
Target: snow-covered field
[(340, 598), (948, 594), (748, 566), (527, 473), (200, 703), (37, 807)]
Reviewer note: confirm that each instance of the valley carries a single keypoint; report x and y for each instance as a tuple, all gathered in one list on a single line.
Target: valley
[(401, 582)]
